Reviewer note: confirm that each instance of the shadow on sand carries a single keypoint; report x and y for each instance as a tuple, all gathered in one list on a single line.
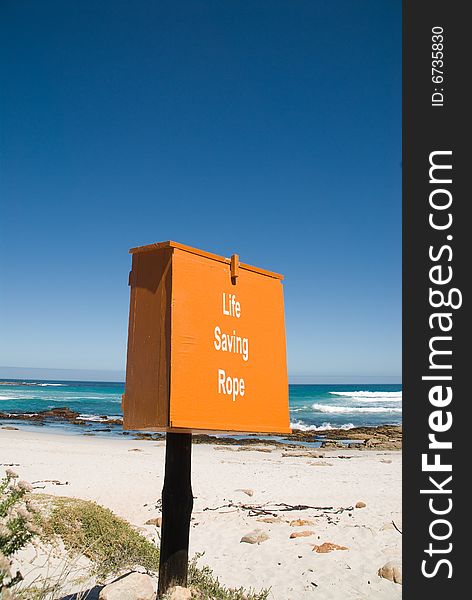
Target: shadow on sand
[(91, 594)]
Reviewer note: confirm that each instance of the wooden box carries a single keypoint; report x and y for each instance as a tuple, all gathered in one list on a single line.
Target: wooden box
[(206, 344)]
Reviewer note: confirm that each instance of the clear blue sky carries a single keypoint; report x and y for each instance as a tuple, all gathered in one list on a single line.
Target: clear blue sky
[(270, 129)]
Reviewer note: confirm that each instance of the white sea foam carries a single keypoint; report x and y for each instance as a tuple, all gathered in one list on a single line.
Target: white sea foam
[(5, 397), (381, 400), (85, 417), (97, 418), (50, 384), (79, 397), (387, 396), (325, 408), (303, 427), (10, 414)]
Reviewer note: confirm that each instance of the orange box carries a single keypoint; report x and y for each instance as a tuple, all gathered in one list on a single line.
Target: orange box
[(206, 344)]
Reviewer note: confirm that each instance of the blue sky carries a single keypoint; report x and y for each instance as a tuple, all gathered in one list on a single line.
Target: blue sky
[(270, 129)]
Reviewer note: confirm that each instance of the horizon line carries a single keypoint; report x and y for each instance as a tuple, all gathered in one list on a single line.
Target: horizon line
[(118, 376)]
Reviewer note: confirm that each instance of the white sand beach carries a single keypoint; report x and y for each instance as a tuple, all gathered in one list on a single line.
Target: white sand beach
[(126, 476)]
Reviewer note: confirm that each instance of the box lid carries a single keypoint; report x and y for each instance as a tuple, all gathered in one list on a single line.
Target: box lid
[(222, 259)]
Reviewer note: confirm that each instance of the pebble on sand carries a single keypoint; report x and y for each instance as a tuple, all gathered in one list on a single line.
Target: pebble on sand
[(255, 537), (297, 534), (361, 504), (269, 520), (328, 547), (157, 522), (301, 522), (391, 571), (246, 491)]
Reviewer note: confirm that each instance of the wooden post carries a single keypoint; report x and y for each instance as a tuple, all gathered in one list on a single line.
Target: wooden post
[(177, 504)]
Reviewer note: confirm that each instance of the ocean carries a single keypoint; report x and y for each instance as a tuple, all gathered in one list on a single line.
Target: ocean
[(312, 407)]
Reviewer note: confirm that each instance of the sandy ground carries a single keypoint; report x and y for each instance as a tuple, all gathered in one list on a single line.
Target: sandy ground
[(127, 477)]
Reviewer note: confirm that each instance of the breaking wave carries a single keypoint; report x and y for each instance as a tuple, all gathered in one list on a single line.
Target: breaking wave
[(325, 408), (97, 418), (50, 384), (324, 426), (362, 396)]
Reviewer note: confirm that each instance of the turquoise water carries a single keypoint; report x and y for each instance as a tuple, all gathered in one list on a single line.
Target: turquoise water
[(312, 407), (323, 406)]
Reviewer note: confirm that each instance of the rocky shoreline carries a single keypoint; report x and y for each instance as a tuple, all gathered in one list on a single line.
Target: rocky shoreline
[(59, 414), (383, 437)]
